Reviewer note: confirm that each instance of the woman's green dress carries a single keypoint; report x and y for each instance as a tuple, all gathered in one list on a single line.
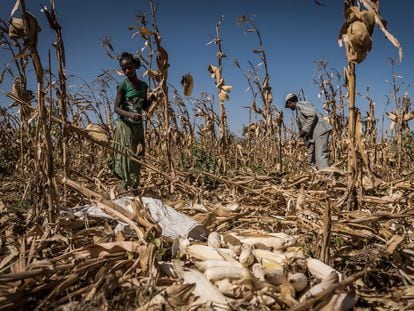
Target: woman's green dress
[(129, 134)]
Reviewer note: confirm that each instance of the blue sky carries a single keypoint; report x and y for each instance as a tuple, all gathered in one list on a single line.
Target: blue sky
[(295, 33)]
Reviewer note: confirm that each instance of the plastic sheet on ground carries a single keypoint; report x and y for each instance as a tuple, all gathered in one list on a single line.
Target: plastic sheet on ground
[(172, 223)]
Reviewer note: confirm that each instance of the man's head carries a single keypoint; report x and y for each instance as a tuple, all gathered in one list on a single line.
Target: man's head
[(291, 100)]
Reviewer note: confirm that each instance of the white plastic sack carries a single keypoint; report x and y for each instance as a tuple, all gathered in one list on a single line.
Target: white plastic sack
[(172, 223)]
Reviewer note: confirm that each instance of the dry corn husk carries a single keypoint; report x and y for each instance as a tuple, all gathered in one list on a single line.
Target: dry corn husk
[(230, 239), (214, 71), (227, 88), (18, 31), (230, 207), (342, 302), (224, 91), (360, 42), (320, 287), (301, 200), (97, 132), (319, 269), (187, 82), (408, 116), (179, 247), (373, 7), (204, 290), (267, 300), (394, 116), (227, 288), (154, 74), (287, 293), (354, 13), (356, 33), (223, 96), (162, 60), (167, 269), (259, 272), (176, 295)]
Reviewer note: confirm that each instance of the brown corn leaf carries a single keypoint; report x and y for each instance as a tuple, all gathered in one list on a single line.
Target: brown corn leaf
[(373, 6), (408, 116), (15, 7), (7, 259), (103, 249), (146, 257), (392, 116), (393, 243), (51, 18), (223, 96), (174, 296), (154, 74), (16, 28), (22, 54), (215, 72), (145, 33)]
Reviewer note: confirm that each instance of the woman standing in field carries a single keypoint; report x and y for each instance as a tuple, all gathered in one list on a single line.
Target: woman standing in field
[(131, 100)]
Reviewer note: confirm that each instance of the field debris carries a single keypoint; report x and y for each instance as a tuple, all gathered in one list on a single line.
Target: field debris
[(218, 221), (99, 257)]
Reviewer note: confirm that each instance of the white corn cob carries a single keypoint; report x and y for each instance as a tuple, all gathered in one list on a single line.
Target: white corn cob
[(227, 288), (261, 254), (299, 281), (219, 273), (235, 248), (273, 271), (258, 272), (289, 240), (213, 263), (203, 252), (319, 269), (294, 252), (214, 240), (246, 257), (267, 241)]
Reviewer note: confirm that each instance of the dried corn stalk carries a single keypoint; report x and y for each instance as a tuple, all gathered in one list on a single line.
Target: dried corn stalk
[(223, 91)]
